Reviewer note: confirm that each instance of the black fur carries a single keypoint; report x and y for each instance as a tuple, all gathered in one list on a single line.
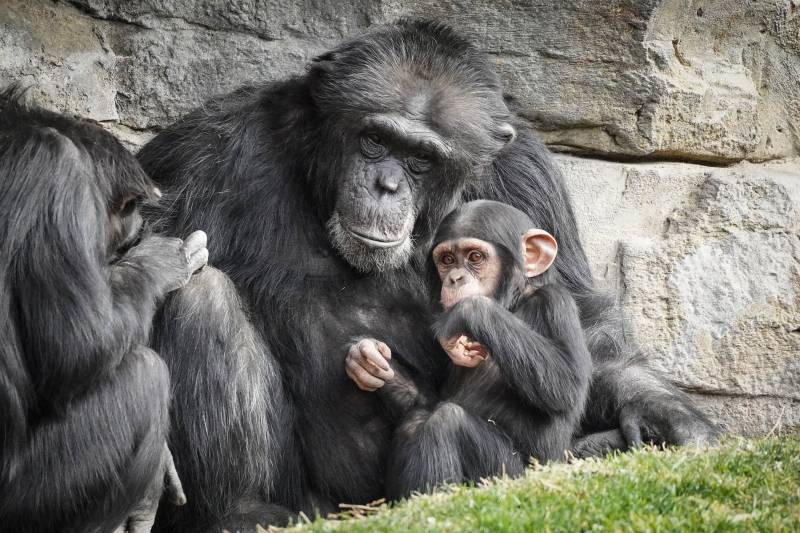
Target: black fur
[(83, 402), (525, 401), (263, 170)]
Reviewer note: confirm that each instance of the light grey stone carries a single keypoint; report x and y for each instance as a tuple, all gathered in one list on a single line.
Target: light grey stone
[(669, 79), (751, 417), (56, 53), (707, 264)]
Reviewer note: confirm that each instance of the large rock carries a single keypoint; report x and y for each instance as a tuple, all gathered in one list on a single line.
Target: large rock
[(670, 79), (707, 264), (56, 53)]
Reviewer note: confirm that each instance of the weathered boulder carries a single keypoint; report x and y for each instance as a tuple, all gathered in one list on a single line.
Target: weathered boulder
[(713, 80), (707, 264)]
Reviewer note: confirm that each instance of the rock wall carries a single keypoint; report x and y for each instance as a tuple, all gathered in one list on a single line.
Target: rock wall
[(678, 123)]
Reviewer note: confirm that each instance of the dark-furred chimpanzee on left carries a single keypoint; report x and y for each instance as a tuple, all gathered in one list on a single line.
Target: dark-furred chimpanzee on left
[(521, 368), (83, 401), (322, 192)]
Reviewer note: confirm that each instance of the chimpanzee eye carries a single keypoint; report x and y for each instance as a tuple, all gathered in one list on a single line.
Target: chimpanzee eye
[(419, 163), (475, 257), (447, 259), (372, 145)]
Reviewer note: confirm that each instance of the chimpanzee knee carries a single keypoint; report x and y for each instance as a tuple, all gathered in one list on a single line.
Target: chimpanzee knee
[(447, 445), (207, 291)]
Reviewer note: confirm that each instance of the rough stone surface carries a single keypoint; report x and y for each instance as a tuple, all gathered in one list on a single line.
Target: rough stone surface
[(711, 80), (707, 264), (703, 258)]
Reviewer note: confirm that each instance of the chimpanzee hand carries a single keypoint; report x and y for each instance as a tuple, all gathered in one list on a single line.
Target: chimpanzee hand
[(170, 260), (166, 483), (367, 364), (464, 351), (454, 331), (665, 420)]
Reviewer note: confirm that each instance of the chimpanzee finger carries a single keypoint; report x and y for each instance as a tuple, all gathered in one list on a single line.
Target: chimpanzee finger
[(460, 358), (369, 351), (195, 242), (363, 379), (368, 365), (473, 361), (477, 348), (473, 354), (384, 350), (362, 375), (142, 523), (629, 424), (172, 482), (198, 260)]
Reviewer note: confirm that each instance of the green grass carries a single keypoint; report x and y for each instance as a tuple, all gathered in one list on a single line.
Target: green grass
[(739, 485)]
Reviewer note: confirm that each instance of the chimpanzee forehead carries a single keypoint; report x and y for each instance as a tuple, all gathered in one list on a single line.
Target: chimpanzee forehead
[(486, 220), (449, 105), (463, 245), (464, 113)]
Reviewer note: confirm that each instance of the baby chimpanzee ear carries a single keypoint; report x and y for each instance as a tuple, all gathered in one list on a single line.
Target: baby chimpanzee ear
[(539, 249)]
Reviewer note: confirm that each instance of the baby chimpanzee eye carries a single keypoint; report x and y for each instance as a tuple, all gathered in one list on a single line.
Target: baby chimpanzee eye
[(447, 259), (475, 257)]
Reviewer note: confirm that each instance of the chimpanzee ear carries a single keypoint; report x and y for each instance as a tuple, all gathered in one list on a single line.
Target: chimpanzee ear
[(539, 249)]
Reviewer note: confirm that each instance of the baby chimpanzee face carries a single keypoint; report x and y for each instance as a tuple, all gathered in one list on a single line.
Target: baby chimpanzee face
[(467, 267), (486, 248)]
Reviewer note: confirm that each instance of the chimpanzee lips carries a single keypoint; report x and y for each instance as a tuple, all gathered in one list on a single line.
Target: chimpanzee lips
[(377, 242)]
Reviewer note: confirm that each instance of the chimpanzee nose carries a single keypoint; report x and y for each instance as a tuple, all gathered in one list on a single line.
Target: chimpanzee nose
[(388, 182), (456, 276)]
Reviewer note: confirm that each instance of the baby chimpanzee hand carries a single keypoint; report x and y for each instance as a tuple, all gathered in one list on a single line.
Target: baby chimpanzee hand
[(367, 364), (464, 351)]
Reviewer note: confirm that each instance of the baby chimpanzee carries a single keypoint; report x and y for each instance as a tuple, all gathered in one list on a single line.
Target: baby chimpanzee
[(521, 366)]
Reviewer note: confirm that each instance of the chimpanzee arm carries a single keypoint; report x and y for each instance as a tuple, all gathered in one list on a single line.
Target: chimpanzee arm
[(69, 303), (539, 349), (144, 275)]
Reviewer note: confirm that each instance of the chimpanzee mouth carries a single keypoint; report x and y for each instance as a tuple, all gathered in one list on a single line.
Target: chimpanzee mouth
[(371, 240)]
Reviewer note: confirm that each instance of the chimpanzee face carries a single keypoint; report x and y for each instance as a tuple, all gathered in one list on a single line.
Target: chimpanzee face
[(414, 128), (467, 267), (486, 248), (125, 220), (395, 162)]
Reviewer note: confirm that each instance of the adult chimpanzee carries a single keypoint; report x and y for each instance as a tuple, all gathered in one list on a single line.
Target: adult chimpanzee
[(521, 365), (322, 193), (83, 402)]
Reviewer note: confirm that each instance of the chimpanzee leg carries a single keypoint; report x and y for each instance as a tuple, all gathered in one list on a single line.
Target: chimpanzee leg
[(231, 419), (446, 445), (107, 446)]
